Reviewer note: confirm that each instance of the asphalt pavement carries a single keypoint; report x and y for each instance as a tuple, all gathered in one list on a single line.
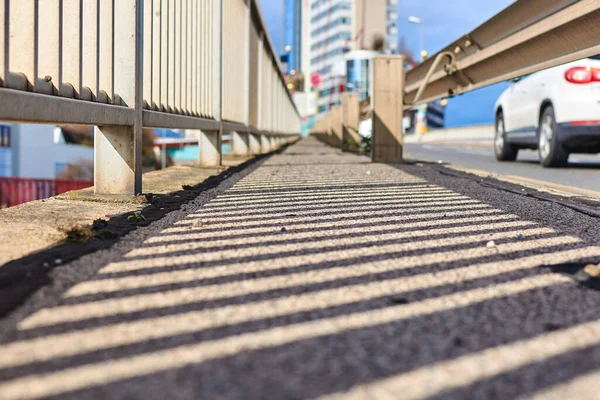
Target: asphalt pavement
[(583, 170), (320, 275)]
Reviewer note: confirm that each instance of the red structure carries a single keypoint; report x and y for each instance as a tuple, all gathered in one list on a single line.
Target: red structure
[(14, 191)]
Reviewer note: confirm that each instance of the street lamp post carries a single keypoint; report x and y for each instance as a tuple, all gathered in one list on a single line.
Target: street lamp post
[(417, 21)]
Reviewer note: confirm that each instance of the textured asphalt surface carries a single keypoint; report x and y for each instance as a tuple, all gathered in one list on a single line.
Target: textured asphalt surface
[(319, 275), (583, 170)]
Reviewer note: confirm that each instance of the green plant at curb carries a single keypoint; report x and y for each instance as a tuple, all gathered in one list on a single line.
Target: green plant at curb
[(136, 217)]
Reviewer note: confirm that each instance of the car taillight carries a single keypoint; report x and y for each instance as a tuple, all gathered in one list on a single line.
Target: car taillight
[(582, 75)]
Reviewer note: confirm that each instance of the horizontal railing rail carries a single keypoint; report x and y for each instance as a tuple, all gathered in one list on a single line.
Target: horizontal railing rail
[(126, 64), (526, 37)]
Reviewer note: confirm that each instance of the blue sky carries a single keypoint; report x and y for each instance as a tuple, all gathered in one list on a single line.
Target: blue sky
[(443, 21)]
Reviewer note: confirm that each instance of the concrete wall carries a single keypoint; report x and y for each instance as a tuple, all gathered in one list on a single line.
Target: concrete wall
[(33, 151), (5, 161), (73, 154)]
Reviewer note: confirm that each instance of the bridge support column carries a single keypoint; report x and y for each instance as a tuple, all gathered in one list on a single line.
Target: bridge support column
[(116, 169), (388, 102), (254, 142), (240, 143), (265, 144), (209, 143)]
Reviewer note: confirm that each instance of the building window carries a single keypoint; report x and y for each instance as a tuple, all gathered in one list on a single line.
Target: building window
[(4, 136)]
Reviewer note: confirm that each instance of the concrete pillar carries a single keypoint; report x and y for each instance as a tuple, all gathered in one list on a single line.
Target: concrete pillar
[(118, 149), (209, 143), (273, 142), (240, 143), (388, 103), (114, 160), (254, 142), (265, 144), (350, 120)]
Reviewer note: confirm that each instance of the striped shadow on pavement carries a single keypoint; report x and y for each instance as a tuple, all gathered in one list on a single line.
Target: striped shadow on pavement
[(371, 290)]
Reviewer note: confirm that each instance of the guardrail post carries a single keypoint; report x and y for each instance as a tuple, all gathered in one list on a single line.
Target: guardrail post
[(350, 121), (388, 103), (336, 126), (209, 144), (240, 143), (118, 149), (327, 129)]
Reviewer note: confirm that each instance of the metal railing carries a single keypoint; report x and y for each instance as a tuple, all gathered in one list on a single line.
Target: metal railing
[(205, 65), (526, 37)]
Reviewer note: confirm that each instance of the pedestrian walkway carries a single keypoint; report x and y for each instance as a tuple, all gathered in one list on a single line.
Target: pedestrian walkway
[(319, 274)]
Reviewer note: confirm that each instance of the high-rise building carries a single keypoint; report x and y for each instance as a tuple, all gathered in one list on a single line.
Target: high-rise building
[(292, 34), (339, 26)]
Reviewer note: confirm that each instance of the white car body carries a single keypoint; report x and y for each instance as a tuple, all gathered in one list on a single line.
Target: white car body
[(576, 108)]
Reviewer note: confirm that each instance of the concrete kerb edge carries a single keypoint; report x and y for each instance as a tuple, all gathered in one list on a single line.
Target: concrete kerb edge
[(541, 186)]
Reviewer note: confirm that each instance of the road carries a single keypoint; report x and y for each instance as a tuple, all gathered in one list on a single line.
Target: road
[(583, 170), (318, 274)]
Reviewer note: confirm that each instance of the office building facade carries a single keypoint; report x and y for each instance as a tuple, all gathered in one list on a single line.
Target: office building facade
[(292, 34), (340, 26)]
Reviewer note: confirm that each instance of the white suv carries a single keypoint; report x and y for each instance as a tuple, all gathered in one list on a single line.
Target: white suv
[(556, 111)]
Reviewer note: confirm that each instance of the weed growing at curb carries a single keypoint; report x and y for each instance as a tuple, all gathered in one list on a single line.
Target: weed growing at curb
[(136, 217)]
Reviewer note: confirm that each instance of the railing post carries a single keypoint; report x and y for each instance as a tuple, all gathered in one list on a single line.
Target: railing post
[(350, 121), (118, 149), (265, 144), (209, 144), (388, 103), (254, 141), (240, 143)]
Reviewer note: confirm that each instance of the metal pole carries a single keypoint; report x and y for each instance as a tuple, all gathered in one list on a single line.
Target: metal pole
[(421, 45)]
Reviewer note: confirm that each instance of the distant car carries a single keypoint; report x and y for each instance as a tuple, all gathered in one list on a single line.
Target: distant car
[(556, 111)]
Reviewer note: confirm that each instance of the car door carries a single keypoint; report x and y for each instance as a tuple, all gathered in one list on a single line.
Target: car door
[(523, 108)]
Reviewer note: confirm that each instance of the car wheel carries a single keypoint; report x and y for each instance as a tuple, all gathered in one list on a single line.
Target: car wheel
[(503, 150), (550, 149)]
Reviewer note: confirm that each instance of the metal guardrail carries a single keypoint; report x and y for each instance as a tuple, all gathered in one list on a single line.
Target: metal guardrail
[(126, 64), (526, 37)]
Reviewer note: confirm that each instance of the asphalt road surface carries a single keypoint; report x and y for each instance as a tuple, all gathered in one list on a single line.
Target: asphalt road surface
[(583, 170), (321, 275)]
